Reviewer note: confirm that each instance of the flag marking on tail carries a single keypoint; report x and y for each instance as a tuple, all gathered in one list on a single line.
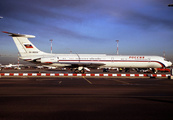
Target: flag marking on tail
[(28, 45)]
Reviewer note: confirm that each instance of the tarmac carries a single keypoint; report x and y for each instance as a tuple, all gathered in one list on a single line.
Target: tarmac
[(86, 98)]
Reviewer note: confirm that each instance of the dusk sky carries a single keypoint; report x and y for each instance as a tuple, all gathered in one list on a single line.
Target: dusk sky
[(143, 27)]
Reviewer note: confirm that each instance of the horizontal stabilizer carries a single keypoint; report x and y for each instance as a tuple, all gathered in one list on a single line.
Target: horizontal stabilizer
[(19, 35)]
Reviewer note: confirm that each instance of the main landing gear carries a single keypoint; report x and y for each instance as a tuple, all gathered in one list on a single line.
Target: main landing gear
[(79, 70)]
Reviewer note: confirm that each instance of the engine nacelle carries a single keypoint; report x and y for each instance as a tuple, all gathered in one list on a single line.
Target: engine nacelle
[(49, 60)]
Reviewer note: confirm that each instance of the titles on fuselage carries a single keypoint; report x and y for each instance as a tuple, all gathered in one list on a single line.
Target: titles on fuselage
[(136, 57)]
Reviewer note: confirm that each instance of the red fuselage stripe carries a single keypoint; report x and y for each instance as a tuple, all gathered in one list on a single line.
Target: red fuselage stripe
[(102, 61)]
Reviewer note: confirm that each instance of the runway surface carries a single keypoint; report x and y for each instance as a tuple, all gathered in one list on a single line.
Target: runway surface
[(85, 98)]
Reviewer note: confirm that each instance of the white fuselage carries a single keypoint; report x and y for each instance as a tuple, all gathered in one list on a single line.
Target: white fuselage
[(127, 61)]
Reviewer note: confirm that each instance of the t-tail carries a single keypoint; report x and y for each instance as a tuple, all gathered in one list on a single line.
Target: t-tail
[(26, 49)]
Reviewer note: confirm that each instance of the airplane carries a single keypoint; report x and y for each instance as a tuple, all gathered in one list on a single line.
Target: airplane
[(11, 66), (1, 17), (80, 62), (45, 66), (170, 5)]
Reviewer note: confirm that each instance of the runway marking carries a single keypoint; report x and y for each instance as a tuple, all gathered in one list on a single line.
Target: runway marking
[(121, 82), (87, 80), (38, 80)]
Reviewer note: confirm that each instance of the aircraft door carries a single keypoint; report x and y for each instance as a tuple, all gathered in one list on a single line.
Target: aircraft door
[(149, 60), (112, 59)]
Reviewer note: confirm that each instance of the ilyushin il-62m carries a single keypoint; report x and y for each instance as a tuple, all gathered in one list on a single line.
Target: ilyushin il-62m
[(80, 62)]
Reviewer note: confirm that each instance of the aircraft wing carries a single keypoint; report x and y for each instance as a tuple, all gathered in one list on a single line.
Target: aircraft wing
[(83, 64), (70, 64)]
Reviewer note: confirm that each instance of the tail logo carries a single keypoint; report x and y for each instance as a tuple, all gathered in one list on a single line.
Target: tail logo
[(28, 45)]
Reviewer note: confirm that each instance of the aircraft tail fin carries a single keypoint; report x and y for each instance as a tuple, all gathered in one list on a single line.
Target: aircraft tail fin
[(25, 47)]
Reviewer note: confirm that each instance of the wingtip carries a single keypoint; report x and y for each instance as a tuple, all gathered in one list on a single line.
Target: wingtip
[(4, 31)]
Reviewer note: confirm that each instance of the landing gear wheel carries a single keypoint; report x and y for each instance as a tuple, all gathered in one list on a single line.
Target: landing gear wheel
[(154, 70), (76, 71), (82, 71)]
